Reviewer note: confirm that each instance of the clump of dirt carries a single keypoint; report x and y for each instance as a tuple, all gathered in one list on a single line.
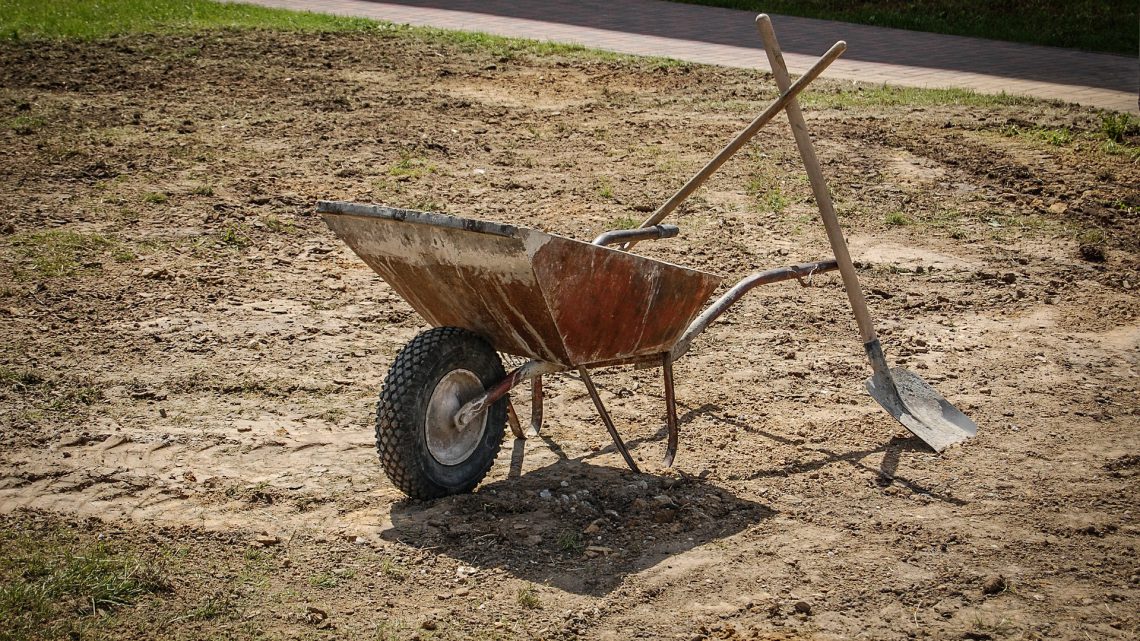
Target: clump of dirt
[(189, 355)]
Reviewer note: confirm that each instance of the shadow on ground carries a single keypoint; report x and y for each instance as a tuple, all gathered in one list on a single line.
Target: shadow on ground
[(575, 526)]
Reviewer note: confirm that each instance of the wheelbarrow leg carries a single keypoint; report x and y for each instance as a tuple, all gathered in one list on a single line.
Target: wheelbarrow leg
[(670, 409), (513, 421), (536, 404), (606, 419)]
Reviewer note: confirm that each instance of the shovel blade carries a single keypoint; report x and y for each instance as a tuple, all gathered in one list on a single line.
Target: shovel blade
[(920, 408)]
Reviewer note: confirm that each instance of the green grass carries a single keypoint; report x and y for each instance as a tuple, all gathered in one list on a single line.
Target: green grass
[(94, 19), (1116, 135), (53, 585), (897, 218), (91, 19), (886, 96), (623, 222), (60, 253), (1092, 25), (765, 190), (605, 188), (528, 598)]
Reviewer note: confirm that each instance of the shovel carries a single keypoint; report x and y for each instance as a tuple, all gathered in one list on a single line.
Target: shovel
[(908, 398)]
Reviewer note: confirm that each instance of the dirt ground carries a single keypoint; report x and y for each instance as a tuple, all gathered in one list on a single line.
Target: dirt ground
[(189, 359)]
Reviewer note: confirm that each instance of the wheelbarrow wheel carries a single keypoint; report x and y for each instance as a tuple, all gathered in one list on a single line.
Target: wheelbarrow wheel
[(420, 448)]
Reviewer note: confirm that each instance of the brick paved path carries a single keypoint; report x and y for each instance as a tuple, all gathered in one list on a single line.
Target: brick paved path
[(728, 37)]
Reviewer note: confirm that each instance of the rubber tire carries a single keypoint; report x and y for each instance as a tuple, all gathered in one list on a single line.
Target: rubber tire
[(400, 414)]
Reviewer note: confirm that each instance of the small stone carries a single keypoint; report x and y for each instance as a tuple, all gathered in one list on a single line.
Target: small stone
[(315, 615), (266, 540), (429, 625), (802, 607), (665, 515), (1058, 208), (545, 494), (594, 527), (994, 584), (1008, 278), (461, 592)]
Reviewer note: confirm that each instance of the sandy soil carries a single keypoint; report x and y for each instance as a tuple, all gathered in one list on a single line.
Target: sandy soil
[(190, 358)]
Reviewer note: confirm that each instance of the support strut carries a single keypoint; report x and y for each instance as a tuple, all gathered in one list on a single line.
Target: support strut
[(670, 409), (618, 443)]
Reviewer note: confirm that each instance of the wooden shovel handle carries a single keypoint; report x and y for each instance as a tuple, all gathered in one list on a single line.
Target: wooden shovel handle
[(818, 184), (788, 91)]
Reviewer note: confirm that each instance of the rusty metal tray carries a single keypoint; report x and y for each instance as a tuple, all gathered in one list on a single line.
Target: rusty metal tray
[(527, 292)]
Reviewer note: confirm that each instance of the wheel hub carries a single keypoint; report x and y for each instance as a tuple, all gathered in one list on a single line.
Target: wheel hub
[(448, 444)]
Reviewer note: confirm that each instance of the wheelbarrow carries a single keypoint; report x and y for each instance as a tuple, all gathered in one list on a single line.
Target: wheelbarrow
[(567, 305)]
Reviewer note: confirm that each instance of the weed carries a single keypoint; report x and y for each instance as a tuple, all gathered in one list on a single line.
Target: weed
[(897, 218), (236, 235), (411, 167), (767, 193), (424, 203), (203, 190), (275, 224), (1094, 236), (155, 198), (570, 541), (528, 598), (324, 580), (392, 569), (605, 189), (623, 222), (1115, 126)]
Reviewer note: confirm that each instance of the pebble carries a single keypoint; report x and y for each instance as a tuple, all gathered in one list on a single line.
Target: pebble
[(802, 607)]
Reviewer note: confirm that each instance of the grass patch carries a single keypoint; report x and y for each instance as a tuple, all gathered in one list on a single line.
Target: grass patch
[(897, 218), (528, 598), (889, 96), (59, 253), (623, 222), (605, 188), (1116, 135), (411, 167), (52, 585), (235, 235), (91, 19), (765, 190), (570, 541), (94, 19), (275, 224), (1092, 25), (1115, 126), (25, 125), (155, 198)]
